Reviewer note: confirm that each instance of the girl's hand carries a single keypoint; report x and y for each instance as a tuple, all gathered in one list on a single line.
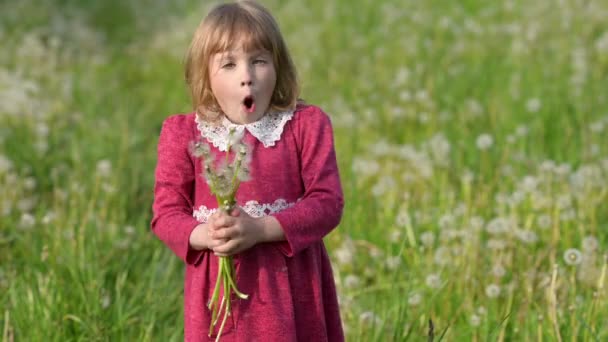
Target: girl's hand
[(234, 233)]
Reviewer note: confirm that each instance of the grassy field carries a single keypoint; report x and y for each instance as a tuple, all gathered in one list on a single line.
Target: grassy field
[(469, 137)]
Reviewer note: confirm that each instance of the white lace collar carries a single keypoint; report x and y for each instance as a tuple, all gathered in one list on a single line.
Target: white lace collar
[(267, 130)]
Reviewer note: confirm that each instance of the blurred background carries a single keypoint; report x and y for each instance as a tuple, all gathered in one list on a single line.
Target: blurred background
[(471, 137)]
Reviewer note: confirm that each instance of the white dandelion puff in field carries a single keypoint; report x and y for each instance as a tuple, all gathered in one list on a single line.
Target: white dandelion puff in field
[(27, 204), (27, 221), (383, 185), (352, 281), (475, 320), (414, 299), (369, 318), (596, 127), (522, 131), (395, 236), (433, 281), (498, 270), (484, 141), (442, 256), (403, 218), (476, 223), (563, 169), (547, 166), (528, 184), (573, 256), (440, 149), (493, 291), (427, 238), (48, 217), (393, 262), (496, 244), (446, 221), (474, 107), (498, 225), (5, 164), (105, 301), (533, 105), (601, 44), (365, 167), (526, 236), (104, 168), (544, 221), (590, 243), (344, 255)]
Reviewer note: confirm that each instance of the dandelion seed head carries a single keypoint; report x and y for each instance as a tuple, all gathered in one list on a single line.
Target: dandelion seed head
[(27, 221), (492, 290), (476, 223), (393, 262), (344, 255), (498, 270), (522, 130), (26, 204), (369, 318), (544, 221), (414, 299), (433, 281), (475, 320), (442, 256), (104, 168), (496, 244), (427, 238), (526, 236), (48, 218), (484, 141), (351, 281), (573, 256), (5, 164), (533, 105), (395, 236), (199, 149), (590, 243)]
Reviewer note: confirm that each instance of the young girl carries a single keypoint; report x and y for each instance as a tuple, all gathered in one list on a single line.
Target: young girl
[(242, 79)]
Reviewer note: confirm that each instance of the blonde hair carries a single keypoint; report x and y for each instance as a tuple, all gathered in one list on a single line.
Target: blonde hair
[(252, 25)]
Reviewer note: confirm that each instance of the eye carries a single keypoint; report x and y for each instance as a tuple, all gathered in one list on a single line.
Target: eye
[(228, 65), (259, 61)]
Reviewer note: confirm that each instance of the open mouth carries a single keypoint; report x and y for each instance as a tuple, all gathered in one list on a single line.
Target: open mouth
[(249, 104)]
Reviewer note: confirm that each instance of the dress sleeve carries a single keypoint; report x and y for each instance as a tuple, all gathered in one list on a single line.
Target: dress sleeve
[(320, 209), (172, 209)]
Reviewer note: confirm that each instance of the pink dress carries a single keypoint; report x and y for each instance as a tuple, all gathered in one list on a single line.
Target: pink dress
[(294, 177)]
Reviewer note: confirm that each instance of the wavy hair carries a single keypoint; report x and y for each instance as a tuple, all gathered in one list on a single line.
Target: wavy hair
[(252, 26)]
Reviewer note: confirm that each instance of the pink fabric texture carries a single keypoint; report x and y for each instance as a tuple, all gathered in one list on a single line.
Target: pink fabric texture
[(292, 295)]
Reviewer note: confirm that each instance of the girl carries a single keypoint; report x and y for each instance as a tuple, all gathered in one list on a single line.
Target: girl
[(242, 79)]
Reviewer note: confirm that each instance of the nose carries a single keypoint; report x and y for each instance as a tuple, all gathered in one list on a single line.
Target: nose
[(246, 78)]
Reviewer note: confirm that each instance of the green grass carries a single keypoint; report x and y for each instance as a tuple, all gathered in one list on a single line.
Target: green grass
[(410, 87)]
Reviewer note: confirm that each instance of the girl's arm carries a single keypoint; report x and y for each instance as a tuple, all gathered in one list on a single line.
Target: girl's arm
[(173, 222), (320, 209)]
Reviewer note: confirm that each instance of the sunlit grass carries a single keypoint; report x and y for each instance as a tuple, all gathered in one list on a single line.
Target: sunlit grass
[(470, 137)]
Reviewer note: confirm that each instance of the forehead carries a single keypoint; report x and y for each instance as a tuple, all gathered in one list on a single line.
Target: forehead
[(238, 51), (234, 29)]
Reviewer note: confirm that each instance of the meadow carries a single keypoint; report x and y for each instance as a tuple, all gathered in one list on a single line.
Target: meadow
[(471, 137)]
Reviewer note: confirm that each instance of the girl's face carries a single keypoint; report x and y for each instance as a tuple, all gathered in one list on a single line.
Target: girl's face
[(242, 83)]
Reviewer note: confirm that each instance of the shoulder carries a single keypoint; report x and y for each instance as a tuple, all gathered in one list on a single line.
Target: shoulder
[(177, 121), (307, 115), (179, 125)]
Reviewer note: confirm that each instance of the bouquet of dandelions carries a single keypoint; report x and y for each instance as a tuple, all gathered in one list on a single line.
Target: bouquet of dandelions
[(223, 180)]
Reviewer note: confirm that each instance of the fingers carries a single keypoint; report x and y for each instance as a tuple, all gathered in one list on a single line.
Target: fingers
[(219, 219), (225, 233), (228, 248)]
